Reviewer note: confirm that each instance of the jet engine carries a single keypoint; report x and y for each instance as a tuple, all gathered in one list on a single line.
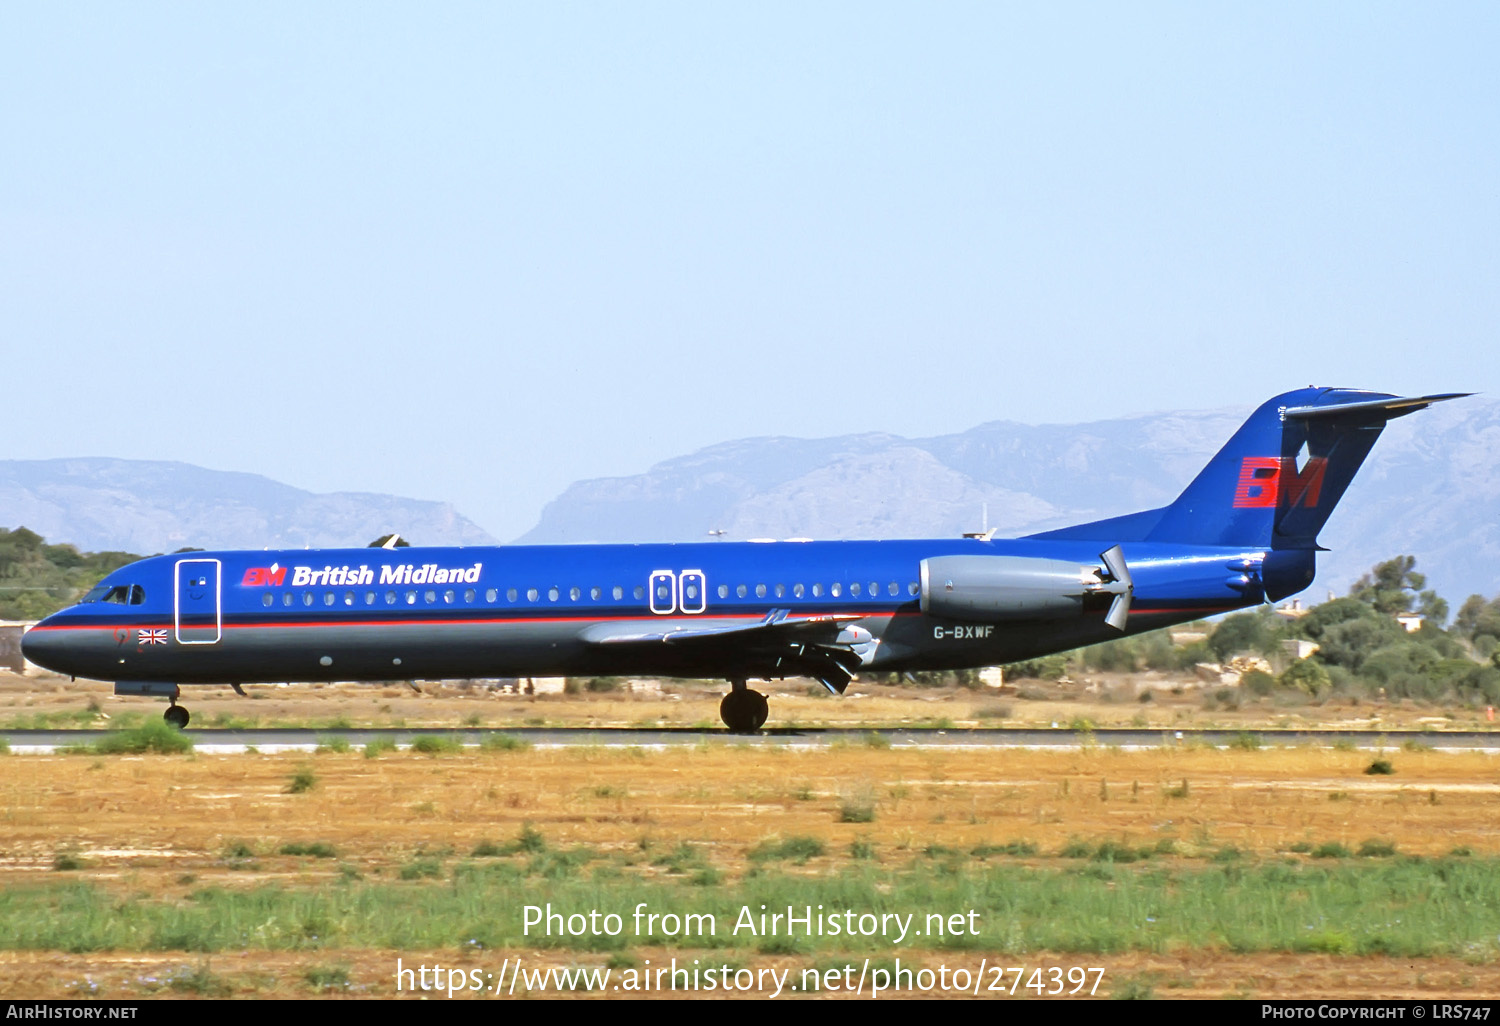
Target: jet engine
[(989, 589)]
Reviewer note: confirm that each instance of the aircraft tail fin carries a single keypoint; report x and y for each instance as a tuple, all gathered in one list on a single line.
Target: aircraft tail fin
[(1276, 481)]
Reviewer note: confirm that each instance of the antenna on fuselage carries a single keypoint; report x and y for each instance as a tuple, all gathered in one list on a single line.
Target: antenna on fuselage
[(988, 532), (717, 532)]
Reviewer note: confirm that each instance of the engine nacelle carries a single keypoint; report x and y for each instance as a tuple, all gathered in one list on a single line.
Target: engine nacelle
[(993, 588)]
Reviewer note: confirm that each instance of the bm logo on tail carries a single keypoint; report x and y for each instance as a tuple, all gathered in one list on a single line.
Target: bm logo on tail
[(1267, 482)]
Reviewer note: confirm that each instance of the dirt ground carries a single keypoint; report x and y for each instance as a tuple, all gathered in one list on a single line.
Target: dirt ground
[(371, 974), (1104, 700), (159, 825)]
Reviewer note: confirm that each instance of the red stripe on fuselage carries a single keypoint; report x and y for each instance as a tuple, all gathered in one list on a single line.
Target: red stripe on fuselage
[(655, 618)]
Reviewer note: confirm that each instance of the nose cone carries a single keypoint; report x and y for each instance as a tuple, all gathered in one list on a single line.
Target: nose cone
[(34, 647), (48, 647)]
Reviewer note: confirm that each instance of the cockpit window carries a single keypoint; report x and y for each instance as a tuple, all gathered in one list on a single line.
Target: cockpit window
[(122, 594)]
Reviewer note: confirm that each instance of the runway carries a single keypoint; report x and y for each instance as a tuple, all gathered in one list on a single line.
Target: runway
[(275, 739)]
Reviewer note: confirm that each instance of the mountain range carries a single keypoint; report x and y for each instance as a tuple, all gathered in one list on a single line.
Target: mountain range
[(149, 506)]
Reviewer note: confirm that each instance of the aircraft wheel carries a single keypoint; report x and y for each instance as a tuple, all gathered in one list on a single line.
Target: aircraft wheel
[(743, 711), (759, 709), (176, 715)]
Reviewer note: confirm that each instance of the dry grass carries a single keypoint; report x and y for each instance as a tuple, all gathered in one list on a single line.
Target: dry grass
[(1103, 700), (728, 798), (170, 825)]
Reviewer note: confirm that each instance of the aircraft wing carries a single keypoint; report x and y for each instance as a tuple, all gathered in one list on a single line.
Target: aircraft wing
[(825, 647)]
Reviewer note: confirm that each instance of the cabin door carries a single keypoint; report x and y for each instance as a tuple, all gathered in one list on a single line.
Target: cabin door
[(197, 605)]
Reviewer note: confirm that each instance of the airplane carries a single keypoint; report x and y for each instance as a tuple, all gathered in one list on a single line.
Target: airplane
[(1243, 532)]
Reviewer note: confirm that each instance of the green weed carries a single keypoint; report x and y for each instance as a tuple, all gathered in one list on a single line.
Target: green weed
[(438, 744), (795, 849), (302, 781), (154, 736), (317, 849), (504, 743)]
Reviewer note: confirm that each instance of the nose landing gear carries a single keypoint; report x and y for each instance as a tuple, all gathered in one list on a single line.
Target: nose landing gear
[(176, 715), (743, 710)]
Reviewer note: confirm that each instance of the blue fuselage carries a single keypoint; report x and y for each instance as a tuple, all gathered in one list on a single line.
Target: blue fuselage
[(443, 613)]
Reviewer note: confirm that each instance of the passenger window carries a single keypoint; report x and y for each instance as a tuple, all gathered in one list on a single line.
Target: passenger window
[(468, 594), (893, 588), (854, 589), (639, 592), (833, 589), (287, 599), (411, 597), (329, 598), (307, 598), (740, 590), (369, 598), (574, 594), (760, 591), (618, 593), (390, 598), (911, 588), (692, 591), (531, 594), (723, 591), (448, 596), (595, 593), (797, 589), (511, 595), (874, 589), (348, 598), (491, 594), (267, 599), (817, 590), (552, 594)]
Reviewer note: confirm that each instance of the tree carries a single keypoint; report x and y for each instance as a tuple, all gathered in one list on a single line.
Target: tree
[(37, 579), (1433, 608), (1389, 588), (1256, 631), (1307, 676), (1476, 617)]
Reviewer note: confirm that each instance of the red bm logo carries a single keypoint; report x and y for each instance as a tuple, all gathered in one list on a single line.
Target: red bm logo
[(264, 576), (1268, 482)]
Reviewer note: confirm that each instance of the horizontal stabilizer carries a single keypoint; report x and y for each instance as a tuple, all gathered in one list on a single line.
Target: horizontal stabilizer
[(1391, 407)]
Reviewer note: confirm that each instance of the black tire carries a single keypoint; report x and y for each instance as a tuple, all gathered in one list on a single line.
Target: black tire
[(759, 709), (177, 716), (744, 711)]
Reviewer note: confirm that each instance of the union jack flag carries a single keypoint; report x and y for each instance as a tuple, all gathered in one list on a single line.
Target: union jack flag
[(148, 637)]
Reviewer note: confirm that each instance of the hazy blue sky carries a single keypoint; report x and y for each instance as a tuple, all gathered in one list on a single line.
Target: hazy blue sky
[(476, 252)]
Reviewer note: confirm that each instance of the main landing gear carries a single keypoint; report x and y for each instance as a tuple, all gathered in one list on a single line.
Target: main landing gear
[(743, 710)]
